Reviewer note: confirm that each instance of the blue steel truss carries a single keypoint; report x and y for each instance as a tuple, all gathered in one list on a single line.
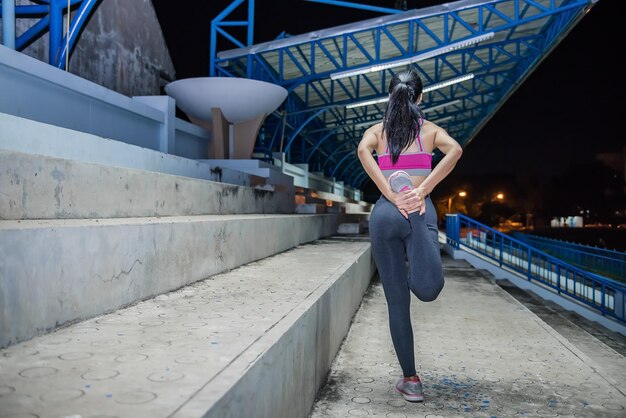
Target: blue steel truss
[(51, 15), (315, 126)]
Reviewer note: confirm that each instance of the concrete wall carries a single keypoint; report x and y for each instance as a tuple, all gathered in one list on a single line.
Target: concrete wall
[(40, 187), (122, 47), (56, 272)]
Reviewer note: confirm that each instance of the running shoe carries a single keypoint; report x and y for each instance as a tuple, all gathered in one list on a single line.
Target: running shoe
[(400, 181), (410, 389)]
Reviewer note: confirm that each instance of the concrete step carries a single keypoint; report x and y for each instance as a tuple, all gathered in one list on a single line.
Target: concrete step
[(55, 272), (254, 342), (42, 187)]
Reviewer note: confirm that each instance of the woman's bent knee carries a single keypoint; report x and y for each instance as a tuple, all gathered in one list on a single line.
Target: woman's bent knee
[(429, 294)]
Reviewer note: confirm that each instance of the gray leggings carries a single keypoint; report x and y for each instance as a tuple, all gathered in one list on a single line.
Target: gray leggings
[(395, 239)]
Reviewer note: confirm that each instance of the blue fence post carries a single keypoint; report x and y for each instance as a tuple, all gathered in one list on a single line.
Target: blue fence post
[(558, 279), (452, 230), (530, 263)]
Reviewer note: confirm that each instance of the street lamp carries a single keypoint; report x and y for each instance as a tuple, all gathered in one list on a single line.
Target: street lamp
[(461, 194), (500, 196)]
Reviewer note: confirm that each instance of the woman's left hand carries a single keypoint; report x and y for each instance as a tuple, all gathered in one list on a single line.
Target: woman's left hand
[(411, 201)]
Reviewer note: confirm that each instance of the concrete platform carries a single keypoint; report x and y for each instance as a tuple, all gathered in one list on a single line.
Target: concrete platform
[(480, 353), (254, 342)]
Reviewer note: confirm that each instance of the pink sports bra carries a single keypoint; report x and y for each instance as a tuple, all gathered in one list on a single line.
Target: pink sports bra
[(414, 163)]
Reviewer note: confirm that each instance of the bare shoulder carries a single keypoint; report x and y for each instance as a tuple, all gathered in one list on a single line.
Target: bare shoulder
[(376, 130)]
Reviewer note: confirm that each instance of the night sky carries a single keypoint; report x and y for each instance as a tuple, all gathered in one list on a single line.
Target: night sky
[(567, 110)]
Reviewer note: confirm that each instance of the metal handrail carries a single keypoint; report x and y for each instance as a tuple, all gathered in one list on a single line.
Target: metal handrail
[(606, 262), (599, 293)]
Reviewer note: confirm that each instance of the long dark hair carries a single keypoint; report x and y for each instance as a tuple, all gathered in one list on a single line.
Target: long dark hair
[(403, 118)]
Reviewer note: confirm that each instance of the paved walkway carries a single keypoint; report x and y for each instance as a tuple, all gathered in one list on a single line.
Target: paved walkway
[(480, 353)]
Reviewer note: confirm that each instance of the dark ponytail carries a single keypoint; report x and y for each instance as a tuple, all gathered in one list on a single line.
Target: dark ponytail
[(403, 118)]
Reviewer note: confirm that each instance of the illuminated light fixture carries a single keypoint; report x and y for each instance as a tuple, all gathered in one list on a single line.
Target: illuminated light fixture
[(448, 82), (426, 90), (441, 106), (367, 103), (420, 57), (447, 118)]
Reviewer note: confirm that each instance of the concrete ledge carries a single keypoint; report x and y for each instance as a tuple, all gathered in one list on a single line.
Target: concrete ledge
[(30, 137), (538, 289), (41, 187), (280, 374), (256, 341), (55, 272)]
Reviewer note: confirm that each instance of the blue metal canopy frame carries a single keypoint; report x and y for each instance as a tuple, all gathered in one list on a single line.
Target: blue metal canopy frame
[(515, 36), (50, 13)]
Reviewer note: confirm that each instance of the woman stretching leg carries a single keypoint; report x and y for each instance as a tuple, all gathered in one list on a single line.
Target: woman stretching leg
[(403, 223)]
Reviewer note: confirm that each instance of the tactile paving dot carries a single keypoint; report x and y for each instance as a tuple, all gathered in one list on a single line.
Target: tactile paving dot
[(361, 400), (35, 372), (21, 416), (358, 412), (547, 413), (135, 397), (195, 324), (57, 341), (5, 390), (157, 344), (396, 403), (600, 395), (364, 380), (363, 389), (75, 356), (22, 352), (62, 395), (613, 406), (165, 376), (151, 323), (100, 374), (395, 415), (564, 393), (130, 358)]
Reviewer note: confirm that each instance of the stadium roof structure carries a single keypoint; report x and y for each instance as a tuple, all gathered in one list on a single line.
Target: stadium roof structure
[(470, 54)]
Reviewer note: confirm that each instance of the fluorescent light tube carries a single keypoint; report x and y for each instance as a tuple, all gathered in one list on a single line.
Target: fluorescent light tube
[(449, 82), (367, 103), (426, 90), (410, 60)]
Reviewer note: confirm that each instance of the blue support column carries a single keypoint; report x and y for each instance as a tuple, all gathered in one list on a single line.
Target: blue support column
[(8, 23)]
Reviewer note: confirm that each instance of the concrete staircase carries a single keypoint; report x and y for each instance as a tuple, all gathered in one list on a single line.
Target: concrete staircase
[(93, 231)]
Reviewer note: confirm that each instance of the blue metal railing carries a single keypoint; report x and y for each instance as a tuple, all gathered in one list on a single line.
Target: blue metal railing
[(50, 13), (600, 260), (599, 293)]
